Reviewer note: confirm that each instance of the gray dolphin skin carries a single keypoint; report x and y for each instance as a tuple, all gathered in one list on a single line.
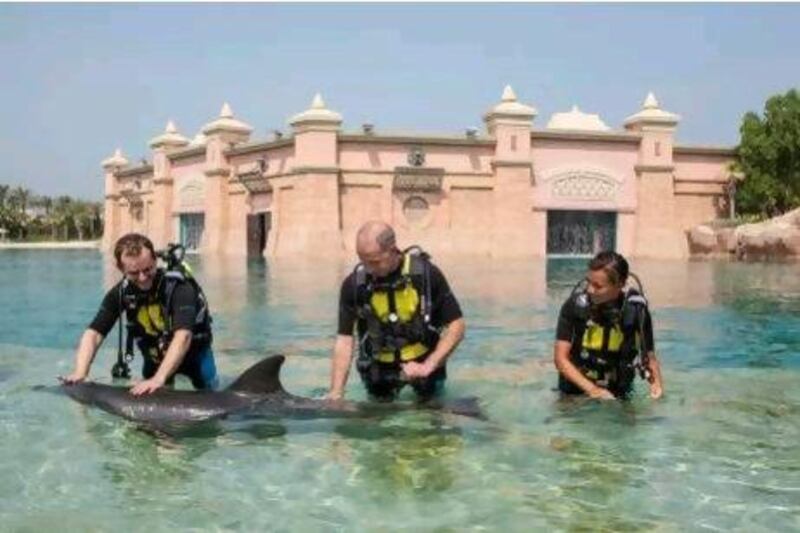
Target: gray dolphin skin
[(257, 392)]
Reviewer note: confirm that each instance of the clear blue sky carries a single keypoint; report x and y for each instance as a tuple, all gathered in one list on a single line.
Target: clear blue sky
[(79, 80)]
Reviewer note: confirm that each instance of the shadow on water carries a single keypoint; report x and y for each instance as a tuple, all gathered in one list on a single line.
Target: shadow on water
[(602, 464), (135, 460), (418, 456), (414, 453)]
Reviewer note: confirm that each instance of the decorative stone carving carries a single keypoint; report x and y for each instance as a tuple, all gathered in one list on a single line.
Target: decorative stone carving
[(415, 208), (416, 156), (416, 211), (136, 207), (131, 195), (591, 185), (414, 179), (191, 196), (252, 176), (256, 185)]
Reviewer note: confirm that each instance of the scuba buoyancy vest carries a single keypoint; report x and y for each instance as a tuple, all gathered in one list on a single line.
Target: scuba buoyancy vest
[(609, 343), (397, 312), (147, 315)]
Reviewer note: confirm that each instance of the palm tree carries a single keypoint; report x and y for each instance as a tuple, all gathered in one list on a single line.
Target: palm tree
[(80, 217), (62, 215), (3, 195), (43, 202), (20, 196), (54, 221), (47, 203), (97, 220)]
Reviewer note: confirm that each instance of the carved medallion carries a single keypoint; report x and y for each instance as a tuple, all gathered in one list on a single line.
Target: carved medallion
[(416, 156)]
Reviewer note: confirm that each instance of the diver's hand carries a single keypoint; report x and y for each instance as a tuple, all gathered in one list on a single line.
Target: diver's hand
[(147, 386), (413, 370), (72, 379), (656, 390), (599, 393)]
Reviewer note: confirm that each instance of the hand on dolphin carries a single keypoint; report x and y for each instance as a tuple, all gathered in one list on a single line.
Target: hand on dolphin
[(71, 379), (333, 400), (147, 386)]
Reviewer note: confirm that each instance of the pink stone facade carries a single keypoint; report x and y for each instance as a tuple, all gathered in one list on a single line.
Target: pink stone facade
[(479, 193)]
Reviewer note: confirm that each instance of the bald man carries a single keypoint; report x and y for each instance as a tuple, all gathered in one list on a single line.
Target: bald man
[(407, 320)]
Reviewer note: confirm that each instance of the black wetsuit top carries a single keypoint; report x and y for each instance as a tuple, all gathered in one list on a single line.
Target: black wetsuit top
[(570, 329), (184, 308), (444, 308), (569, 323)]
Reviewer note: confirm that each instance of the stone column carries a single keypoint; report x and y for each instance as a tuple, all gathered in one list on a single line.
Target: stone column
[(222, 133), (161, 211), (306, 217), (657, 233), (111, 209), (626, 233), (517, 230)]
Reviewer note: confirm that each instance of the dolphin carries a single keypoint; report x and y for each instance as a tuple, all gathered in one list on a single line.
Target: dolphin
[(256, 393)]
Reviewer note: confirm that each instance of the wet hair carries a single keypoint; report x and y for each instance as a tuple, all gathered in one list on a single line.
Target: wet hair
[(613, 264), (132, 244)]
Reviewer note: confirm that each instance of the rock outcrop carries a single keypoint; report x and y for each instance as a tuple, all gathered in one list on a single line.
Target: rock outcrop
[(776, 238)]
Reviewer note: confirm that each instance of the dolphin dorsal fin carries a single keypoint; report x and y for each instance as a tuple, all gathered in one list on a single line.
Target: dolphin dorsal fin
[(261, 378)]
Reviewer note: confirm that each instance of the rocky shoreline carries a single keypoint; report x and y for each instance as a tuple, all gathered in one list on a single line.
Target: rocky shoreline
[(774, 239)]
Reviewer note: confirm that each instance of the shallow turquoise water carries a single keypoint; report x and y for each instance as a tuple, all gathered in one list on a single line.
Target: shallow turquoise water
[(719, 452)]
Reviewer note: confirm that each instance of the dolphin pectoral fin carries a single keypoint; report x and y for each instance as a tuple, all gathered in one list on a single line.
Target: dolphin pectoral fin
[(162, 433), (174, 432), (261, 378)]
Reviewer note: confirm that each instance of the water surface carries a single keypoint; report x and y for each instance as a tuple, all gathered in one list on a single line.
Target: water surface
[(719, 452)]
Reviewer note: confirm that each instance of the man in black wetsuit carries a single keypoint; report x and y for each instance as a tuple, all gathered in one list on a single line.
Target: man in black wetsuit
[(167, 316), (399, 307)]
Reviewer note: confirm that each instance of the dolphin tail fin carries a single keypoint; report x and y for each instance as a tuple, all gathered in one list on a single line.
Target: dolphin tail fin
[(261, 378)]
